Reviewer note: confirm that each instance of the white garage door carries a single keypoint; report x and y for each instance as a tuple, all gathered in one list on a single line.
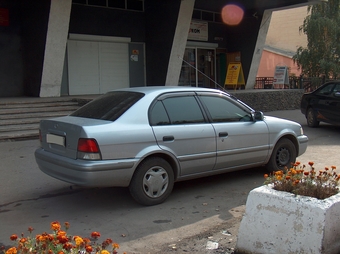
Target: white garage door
[(97, 67)]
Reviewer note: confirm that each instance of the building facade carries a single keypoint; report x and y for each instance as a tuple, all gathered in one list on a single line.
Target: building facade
[(71, 47), (282, 41)]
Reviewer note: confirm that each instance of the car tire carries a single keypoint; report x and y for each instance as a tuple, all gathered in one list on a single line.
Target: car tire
[(283, 155), (311, 118), (152, 182)]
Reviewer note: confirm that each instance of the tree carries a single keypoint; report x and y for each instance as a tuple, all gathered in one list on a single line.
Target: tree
[(322, 27)]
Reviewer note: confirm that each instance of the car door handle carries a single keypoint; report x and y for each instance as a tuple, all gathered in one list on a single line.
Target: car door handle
[(223, 134), (168, 138)]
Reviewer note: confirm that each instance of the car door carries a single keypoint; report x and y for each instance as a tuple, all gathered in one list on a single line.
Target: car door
[(321, 102), (333, 105), (181, 128), (241, 141)]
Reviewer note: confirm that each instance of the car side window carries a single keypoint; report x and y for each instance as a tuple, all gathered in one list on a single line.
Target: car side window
[(177, 110), (158, 115), (223, 110), (336, 88), (183, 110), (326, 90)]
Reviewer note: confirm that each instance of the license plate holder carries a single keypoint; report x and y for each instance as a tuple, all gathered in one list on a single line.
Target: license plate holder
[(55, 139)]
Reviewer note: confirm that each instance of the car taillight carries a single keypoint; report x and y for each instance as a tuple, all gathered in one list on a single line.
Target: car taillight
[(88, 149)]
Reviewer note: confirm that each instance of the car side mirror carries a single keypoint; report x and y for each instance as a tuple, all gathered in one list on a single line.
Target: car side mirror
[(257, 116)]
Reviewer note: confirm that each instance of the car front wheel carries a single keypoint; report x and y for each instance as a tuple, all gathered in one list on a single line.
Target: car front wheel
[(152, 182), (311, 118), (283, 156)]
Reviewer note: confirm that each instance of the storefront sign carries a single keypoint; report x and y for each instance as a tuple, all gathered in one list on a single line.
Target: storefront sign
[(234, 76), (4, 17), (198, 31)]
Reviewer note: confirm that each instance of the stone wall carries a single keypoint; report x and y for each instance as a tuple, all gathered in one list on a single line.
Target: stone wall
[(259, 99), (270, 99)]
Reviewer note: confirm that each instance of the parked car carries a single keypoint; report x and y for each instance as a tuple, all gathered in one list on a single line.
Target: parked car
[(147, 138), (322, 105)]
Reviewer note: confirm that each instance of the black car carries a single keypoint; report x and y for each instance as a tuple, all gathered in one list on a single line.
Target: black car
[(322, 105)]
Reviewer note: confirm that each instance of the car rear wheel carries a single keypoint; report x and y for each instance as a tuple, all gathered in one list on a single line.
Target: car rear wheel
[(152, 182), (311, 118), (284, 155)]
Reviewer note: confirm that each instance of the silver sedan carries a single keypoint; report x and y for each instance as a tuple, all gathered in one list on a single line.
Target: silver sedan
[(147, 138)]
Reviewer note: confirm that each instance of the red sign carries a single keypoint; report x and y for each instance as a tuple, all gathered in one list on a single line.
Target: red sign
[(4, 17)]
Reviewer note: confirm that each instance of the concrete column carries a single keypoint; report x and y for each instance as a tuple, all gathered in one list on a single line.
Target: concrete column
[(55, 48), (261, 39), (179, 42)]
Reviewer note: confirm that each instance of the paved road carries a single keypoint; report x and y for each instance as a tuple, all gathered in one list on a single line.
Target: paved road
[(30, 198)]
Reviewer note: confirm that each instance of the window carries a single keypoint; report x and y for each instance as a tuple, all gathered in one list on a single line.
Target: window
[(97, 2), (117, 4), (109, 106), (159, 115), (133, 5), (176, 110), (223, 110), (326, 90), (336, 88)]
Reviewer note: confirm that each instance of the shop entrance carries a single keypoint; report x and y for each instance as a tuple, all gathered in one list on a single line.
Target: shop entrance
[(198, 68)]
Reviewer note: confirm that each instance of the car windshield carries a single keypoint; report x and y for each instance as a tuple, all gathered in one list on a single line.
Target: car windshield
[(109, 106)]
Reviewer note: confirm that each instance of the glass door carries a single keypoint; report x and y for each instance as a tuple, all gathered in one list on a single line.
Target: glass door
[(198, 68)]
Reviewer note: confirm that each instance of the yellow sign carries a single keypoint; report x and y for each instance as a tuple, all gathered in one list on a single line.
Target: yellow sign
[(235, 75)]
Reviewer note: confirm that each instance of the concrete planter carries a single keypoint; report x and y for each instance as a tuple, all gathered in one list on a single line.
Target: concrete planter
[(280, 222)]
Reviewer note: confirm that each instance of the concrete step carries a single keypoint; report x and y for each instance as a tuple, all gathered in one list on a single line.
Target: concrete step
[(20, 117), (34, 109), (19, 135)]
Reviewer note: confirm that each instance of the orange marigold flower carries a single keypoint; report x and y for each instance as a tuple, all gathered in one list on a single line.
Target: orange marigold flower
[(62, 239), (333, 167), (266, 176), (279, 178), (306, 173), (95, 234), (61, 233), (115, 245), (23, 240), (30, 229), (79, 241), (310, 163), (12, 250), (104, 252), (67, 246), (287, 177), (88, 248), (61, 252), (87, 241), (55, 225), (13, 237), (326, 168)]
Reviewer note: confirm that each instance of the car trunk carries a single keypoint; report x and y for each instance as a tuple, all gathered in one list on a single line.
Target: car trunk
[(60, 135)]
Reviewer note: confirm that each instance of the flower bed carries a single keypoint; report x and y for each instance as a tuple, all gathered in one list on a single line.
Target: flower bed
[(59, 242), (277, 221)]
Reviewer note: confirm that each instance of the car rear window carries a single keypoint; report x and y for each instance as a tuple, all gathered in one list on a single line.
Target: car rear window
[(109, 106)]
